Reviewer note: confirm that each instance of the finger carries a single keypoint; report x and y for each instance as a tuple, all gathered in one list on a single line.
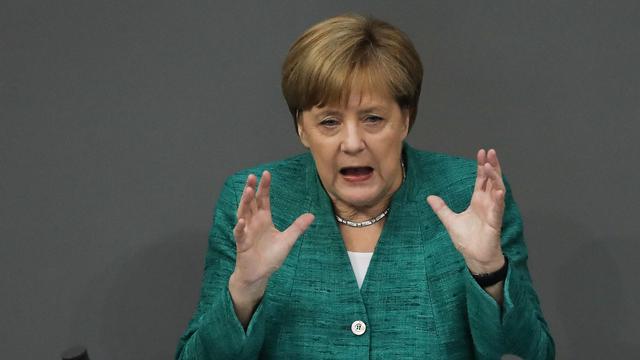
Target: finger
[(495, 163), (441, 210), (244, 207), (494, 179), (248, 196), (253, 205), (481, 157), (239, 234), (262, 197), (498, 197), (298, 227), (492, 157), (251, 181), (480, 176), (497, 210), (490, 177)]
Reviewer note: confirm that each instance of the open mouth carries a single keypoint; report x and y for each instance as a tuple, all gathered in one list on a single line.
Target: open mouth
[(356, 173)]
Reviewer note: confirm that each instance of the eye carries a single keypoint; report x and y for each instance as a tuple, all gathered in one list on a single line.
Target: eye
[(373, 119), (329, 122)]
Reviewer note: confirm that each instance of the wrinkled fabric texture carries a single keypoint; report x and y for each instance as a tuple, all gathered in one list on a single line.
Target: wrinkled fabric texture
[(418, 299)]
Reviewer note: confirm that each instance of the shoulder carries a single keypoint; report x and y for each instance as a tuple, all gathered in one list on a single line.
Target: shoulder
[(447, 167), (448, 176), (435, 173), (291, 167), (288, 176), (437, 169)]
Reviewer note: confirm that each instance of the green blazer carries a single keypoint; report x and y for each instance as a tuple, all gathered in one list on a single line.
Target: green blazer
[(418, 300)]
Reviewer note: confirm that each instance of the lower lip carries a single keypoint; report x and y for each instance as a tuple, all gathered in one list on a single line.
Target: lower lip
[(358, 178)]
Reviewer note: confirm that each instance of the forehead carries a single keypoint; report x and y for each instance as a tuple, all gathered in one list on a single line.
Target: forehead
[(361, 86), (359, 99)]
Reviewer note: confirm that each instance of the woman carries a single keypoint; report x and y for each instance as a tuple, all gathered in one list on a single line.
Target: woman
[(439, 237)]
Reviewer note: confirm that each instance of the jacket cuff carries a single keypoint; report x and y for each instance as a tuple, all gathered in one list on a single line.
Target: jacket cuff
[(487, 317), (221, 328)]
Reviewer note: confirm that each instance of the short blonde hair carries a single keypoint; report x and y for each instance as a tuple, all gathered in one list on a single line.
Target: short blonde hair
[(351, 51)]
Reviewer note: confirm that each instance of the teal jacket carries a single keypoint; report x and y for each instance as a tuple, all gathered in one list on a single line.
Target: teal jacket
[(418, 300)]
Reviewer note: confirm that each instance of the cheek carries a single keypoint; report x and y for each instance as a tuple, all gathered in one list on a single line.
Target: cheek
[(325, 163), (385, 155)]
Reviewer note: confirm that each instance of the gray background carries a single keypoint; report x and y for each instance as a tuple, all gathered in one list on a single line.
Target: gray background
[(120, 121)]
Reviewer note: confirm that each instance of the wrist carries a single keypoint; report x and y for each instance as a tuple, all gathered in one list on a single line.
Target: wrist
[(489, 280), (486, 267), (246, 291)]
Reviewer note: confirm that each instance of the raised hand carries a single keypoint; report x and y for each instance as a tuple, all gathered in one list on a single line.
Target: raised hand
[(260, 247), (476, 231)]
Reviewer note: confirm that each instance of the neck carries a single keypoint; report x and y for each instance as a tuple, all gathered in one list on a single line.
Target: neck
[(362, 213)]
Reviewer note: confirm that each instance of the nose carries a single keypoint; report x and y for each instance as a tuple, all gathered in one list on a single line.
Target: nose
[(352, 141)]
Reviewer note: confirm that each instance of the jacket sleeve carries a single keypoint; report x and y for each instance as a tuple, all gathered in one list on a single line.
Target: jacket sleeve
[(517, 327), (215, 332)]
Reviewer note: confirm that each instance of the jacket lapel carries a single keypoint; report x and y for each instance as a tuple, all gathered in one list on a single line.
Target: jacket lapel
[(325, 245), (398, 255), (397, 261)]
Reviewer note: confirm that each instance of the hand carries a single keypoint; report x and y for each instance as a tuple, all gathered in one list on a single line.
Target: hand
[(260, 247), (476, 231)]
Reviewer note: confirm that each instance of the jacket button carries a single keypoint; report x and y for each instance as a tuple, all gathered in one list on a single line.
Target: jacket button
[(358, 327)]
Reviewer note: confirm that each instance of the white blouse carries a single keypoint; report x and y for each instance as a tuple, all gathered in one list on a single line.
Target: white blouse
[(360, 263)]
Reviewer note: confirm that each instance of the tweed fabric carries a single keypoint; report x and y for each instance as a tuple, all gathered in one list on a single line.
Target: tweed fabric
[(418, 299)]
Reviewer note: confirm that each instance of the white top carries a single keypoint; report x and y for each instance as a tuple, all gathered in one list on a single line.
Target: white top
[(360, 263)]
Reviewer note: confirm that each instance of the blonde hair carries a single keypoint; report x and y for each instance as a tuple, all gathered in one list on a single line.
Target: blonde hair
[(351, 52)]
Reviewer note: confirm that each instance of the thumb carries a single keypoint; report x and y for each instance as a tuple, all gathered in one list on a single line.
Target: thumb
[(298, 227), (441, 209)]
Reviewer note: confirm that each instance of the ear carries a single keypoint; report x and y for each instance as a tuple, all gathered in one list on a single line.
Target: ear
[(301, 133), (406, 114)]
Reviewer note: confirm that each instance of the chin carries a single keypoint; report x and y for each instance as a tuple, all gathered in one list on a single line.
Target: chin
[(360, 198)]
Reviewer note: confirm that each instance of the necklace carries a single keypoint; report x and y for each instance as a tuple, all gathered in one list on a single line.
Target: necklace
[(375, 219)]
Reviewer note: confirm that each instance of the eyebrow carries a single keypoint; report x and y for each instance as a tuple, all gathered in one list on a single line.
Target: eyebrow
[(374, 108), (329, 112)]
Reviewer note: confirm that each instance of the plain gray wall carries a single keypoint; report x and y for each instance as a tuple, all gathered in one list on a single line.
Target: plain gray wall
[(120, 121)]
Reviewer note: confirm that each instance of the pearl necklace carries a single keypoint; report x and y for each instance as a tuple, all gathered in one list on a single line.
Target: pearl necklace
[(375, 219)]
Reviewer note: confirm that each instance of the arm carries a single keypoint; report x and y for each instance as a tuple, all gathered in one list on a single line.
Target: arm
[(215, 331), (517, 326), (504, 318), (239, 263)]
